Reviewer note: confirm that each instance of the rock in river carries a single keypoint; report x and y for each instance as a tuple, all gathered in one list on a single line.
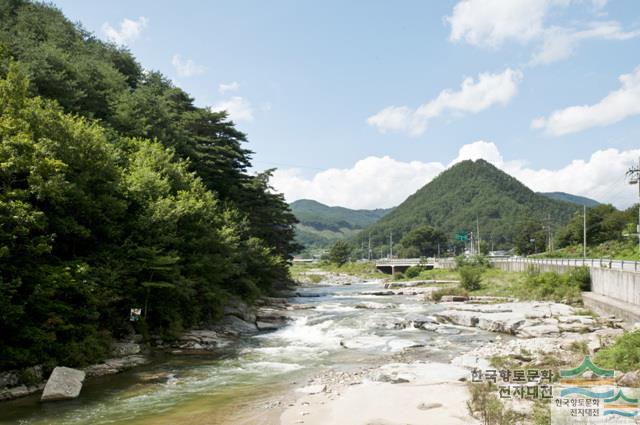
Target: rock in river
[(63, 384)]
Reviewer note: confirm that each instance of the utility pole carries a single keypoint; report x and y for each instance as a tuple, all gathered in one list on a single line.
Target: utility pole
[(478, 234), (584, 231), (369, 256), (634, 178), (390, 245)]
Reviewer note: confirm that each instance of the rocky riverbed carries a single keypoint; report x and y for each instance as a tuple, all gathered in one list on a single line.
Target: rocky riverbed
[(344, 351)]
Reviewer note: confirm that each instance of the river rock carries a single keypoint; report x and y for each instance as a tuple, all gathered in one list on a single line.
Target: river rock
[(63, 384), (240, 310), (115, 365), (121, 349), (536, 329), (234, 325), (630, 379), (457, 317), (454, 298)]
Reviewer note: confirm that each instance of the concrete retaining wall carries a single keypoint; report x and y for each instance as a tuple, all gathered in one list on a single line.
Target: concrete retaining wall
[(620, 285)]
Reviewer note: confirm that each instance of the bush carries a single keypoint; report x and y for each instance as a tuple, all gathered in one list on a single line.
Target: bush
[(470, 277), (551, 286), (476, 260), (624, 355), (582, 276), (413, 272), (456, 290)]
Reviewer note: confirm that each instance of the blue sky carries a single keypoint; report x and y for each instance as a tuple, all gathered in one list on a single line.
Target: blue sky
[(331, 92)]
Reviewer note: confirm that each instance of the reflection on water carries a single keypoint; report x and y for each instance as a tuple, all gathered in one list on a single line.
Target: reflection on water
[(219, 388)]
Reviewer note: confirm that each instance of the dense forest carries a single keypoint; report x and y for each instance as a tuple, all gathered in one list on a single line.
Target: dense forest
[(117, 192), (468, 195)]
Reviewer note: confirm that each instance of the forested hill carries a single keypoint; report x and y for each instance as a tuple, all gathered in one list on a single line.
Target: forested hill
[(117, 192), (574, 199), (452, 201), (320, 225)]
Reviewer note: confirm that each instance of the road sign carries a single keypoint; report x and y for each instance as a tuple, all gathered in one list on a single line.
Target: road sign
[(462, 236)]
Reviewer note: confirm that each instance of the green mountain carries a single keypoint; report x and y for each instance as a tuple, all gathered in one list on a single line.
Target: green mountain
[(468, 191), (574, 199), (320, 225)]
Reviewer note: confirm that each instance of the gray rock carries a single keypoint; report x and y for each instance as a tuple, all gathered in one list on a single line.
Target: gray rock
[(268, 326), (121, 349), (19, 391), (63, 384), (239, 309), (454, 298), (630, 379), (115, 365), (235, 325), (536, 330), (457, 317)]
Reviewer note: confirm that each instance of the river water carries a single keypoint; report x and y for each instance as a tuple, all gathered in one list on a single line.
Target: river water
[(241, 383)]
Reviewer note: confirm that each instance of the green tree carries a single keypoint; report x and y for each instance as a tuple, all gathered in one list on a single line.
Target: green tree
[(604, 223), (422, 241), (530, 238), (340, 252)]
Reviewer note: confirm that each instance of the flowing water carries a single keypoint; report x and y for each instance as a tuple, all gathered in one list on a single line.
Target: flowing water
[(236, 384)]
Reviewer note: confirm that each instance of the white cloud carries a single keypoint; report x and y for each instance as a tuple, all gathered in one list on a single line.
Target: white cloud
[(373, 182), (473, 97), (238, 108), (376, 182), (614, 107), (489, 23), (186, 68), (232, 86), (559, 43), (129, 30)]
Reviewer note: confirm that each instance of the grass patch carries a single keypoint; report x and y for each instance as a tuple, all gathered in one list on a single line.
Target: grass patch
[(548, 286), (486, 406), (623, 355)]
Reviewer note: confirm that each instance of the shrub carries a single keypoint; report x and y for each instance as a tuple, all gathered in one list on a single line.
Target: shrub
[(551, 286), (413, 272), (486, 405), (455, 290), (582, 276), (624, 355), (470, 277)]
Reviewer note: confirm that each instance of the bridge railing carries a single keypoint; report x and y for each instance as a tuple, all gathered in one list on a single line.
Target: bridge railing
[(605, 263), (403, 261)]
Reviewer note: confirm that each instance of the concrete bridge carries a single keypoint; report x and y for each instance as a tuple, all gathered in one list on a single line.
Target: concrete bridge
[(393, 265)]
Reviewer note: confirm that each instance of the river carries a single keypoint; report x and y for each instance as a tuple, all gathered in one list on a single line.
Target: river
[(247, 381)]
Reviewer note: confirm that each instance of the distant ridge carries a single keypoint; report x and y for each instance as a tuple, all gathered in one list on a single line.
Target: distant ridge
[(469, 189), (321, 225), (574, 199)]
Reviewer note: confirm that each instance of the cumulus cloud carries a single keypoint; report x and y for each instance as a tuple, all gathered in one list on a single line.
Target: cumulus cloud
[(238, 108), (129, 30), (491, 23), (559, 43), (473, 97), (377, 182), (614, 107), (186, 68), (232, 86)]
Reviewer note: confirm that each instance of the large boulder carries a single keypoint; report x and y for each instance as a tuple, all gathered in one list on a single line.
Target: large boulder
[(63, 384)]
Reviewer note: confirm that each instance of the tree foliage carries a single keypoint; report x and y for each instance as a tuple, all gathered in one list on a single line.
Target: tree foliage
[(117, 192), (339, 253)]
